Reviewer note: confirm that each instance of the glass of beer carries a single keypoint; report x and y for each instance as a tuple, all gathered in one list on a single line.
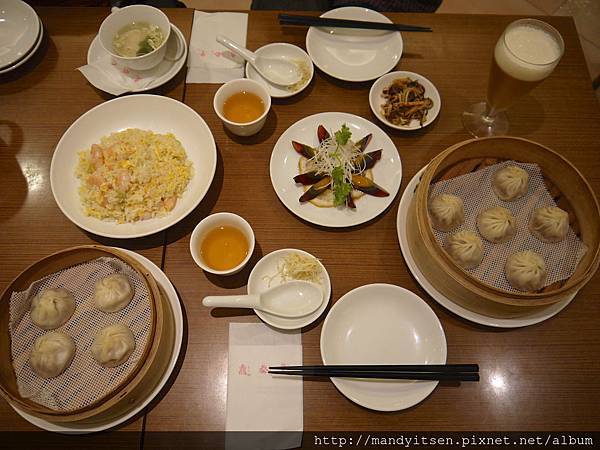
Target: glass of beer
[(526, 54)]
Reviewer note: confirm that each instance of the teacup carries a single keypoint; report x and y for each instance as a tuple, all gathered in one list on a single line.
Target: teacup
[(119, 18)]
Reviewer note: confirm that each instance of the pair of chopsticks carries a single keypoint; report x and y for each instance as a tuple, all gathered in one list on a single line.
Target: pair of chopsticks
[(437, 372), (289, 19)]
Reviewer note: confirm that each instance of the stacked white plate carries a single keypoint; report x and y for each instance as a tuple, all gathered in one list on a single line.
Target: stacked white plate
[(21, 33)]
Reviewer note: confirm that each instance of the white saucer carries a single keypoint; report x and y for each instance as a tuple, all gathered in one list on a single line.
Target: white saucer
[(162, 73), (73, 428), (19, 31), (257, 283), (352, 54), (528, 318), (383, 324), (28, 56)]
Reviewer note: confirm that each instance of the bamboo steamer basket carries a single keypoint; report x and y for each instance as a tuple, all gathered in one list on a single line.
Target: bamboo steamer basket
[(562, 179), (53, 263)]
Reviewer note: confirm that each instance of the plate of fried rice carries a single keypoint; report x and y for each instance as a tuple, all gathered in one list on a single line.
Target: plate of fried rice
[(133, 166)]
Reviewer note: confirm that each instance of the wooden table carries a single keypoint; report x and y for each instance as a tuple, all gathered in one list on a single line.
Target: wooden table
[(542, 377)]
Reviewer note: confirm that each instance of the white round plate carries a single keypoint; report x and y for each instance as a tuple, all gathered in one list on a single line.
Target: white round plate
[(387, 172), (19, 31), (382, 324), (352, 54), (258, 283), (74, 428), (284, 51), (376, 100), (147, 112), (535, 316), (28, 56), (162, 73)]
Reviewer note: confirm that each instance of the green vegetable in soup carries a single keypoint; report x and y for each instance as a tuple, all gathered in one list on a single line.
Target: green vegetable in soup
[(137, 39)]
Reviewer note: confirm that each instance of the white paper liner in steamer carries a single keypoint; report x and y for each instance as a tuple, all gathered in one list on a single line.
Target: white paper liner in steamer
[(475, 189), (84, 381)]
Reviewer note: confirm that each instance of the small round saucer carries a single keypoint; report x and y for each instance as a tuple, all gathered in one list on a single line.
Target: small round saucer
[(288, 52), (258, 282), (161, 73)]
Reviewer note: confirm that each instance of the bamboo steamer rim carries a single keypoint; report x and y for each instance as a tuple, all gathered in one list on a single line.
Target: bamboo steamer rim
[(463, 277), (147, 356)]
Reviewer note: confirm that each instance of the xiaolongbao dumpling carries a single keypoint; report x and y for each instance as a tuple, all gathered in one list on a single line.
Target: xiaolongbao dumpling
[(113, 345), (51, 354), (549, 224), (526, 271), (497, 224), (465, 248), (446, 212), (113, 293), (510, 183), (51, 308)]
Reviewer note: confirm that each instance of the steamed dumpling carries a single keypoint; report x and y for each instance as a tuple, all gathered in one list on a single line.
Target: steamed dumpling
[(510, 183), (113, 345), (113, 293), (526, 271), (51, 354), (497, 224), (446, 212), (465, 248), (51, 308), (549, 224)]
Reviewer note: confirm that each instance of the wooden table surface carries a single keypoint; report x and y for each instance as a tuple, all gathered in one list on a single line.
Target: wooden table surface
[(542, 377)]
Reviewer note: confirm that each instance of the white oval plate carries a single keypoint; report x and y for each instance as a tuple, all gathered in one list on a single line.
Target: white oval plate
[(387, 172), (162, 73), (74, 428), (383, 324), (258, 283), (19, 31), (376, 101), (284, 51), (534, 316), (28, 56), (147, 112), (352, 54)]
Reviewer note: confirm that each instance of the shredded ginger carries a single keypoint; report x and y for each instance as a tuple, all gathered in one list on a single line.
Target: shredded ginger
[(295, 266)]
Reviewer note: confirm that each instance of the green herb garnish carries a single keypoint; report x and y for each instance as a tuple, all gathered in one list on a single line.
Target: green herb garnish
[(144, 47), (341, 188), (343, 135)]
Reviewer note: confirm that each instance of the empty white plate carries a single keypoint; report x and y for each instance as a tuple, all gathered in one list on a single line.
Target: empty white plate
[(19, 31), (382, 324), (353, 54)]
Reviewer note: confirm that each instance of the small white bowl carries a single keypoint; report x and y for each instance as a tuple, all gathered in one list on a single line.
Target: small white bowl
[(258, 282), (234, 87), (288, 52), (121, 17), (210, 223), (19, 31), (376, 100)]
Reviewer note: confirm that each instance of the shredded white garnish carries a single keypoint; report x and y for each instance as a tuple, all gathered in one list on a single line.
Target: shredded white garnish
[(295, 266), (329, 155)]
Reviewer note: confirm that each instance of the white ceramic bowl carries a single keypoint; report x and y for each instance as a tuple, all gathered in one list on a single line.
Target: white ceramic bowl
[(382, 324), (234, 87), (121, 17), (147, 112), (288, 52), (218, 220), (19, 31), (376, 100)]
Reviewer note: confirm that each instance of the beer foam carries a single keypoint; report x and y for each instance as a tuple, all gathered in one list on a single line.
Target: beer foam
[(527, 53)]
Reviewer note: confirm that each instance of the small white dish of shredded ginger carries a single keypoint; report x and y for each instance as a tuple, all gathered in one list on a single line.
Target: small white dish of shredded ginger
[(285, 265), (153, 161)]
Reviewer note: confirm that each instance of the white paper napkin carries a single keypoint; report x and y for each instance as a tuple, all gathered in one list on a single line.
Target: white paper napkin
[(108, 75), (209, 61), (256, 400)]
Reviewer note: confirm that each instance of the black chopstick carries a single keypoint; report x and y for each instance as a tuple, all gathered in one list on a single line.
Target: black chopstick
[(288, 19), (427, 376), (438, 368)]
